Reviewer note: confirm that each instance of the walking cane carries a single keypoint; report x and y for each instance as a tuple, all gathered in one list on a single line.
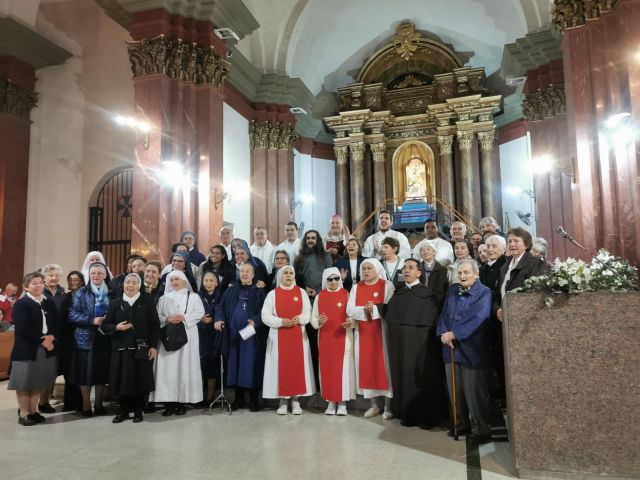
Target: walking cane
[(453, 395)]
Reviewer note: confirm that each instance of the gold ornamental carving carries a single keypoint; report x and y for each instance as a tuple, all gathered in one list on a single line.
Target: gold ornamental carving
[(406, 40), (378, 150), (486, 140), (178, 60), (342, 154), (357, 151), (268, 134), (547, 102), (445, 144), (465, 139), (15, 100), (568, 14)]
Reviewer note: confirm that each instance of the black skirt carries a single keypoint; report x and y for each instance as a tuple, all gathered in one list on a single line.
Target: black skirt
[(91, 367), (129, 376)]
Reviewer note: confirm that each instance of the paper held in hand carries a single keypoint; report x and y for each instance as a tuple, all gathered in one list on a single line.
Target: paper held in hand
[(247, 332)]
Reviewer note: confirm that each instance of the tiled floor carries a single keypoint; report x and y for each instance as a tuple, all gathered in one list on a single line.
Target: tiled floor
[(244, 445)]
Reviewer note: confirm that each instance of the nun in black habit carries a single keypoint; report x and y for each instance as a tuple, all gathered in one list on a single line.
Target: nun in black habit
[(415, 358)]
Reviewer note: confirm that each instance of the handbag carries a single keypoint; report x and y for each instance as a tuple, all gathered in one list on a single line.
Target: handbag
[(174, 335)]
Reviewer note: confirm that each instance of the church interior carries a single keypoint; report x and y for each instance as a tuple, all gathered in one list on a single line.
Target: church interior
[(126, 122)]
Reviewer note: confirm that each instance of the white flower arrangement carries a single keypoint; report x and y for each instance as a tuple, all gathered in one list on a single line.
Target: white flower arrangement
[(576, 276)]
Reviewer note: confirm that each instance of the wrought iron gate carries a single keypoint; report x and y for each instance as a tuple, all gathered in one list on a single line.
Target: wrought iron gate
[(110, 221)]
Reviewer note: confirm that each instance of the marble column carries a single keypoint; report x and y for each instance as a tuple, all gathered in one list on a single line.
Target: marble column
[(487, 184), (467, 195), (447, 186), (343, 203), (17, 98), (178, 82), (357, 184), (379, 176)]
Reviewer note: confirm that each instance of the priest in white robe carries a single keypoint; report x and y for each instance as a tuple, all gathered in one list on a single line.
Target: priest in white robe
[(288, 370), (178, 376)]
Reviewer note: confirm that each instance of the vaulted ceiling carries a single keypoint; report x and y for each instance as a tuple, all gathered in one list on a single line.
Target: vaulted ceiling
[(325, 42)]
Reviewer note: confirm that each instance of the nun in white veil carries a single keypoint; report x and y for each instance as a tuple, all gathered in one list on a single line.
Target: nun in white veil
[(178, 377), (93, 257)]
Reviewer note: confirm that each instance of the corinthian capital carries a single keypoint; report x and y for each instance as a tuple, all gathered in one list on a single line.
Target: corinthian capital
[(357, 151), (445, 142), (378, 150), (465, 138), (486, 139), (341, 152)]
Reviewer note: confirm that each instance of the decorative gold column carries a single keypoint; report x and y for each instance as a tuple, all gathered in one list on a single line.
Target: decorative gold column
[(379, 181), (356, 150), (487, 181), (469, 207), (342, 182), (447, 188)]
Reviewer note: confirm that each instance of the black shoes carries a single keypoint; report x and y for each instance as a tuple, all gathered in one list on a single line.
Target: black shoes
[(46, 408), (181, 409), (479, 439), (27, 421), (137, 418), (462, 431), (99, 411), (254, 407), (121, 417), (168, 410), (87, 413), (37, 417)]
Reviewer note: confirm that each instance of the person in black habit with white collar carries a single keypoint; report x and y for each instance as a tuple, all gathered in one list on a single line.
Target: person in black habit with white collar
[(414, 351)]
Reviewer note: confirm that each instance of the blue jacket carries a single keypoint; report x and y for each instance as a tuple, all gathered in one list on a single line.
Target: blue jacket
[(81, 314), (467, 316)]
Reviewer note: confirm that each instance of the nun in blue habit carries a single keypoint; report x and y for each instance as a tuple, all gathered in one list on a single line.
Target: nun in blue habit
[(241, 307)]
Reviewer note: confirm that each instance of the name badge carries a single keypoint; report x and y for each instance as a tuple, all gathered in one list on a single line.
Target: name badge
[(295, 299), (376, 294)]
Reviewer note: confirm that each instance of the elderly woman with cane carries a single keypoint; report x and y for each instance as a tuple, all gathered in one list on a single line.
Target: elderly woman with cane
[(463, 330)]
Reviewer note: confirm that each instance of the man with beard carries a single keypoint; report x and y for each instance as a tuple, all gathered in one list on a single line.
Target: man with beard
[(414, 352), (373, 244), (311, 262)]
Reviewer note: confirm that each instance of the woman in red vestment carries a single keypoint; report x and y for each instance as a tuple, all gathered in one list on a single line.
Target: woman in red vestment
[(335, 343), (288, 370), (366, 305)]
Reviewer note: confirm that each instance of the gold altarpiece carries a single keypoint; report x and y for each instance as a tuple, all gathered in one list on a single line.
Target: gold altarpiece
[(416, 123)]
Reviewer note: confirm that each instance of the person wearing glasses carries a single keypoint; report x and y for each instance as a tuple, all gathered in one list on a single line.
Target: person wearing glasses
[(335, 343), (180, 262)]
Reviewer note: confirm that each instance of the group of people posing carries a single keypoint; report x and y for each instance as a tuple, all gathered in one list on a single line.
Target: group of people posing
[(383, 321)]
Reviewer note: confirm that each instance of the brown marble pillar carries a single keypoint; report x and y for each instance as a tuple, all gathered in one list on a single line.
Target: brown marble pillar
[(379, 176), (467, 194), (356, 151), (447, 186), (17, 98), (178, 80), (489, 193), (343, 202)]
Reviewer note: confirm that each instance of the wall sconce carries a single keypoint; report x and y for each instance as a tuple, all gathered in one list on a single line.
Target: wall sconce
[(515, 190), (304, 199), (219, 196), (547, 163), (140, 128)]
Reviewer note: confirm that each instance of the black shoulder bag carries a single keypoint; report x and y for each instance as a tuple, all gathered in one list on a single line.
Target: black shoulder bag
[(174, 335)]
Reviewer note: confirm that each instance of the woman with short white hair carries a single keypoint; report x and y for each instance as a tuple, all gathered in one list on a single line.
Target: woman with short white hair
[(177, 372)]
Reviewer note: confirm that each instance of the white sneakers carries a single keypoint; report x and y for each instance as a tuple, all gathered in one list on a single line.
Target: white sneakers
[(342, 409), (388, 414), (373, 411), (283, 409), (331, 409), (296, 409)]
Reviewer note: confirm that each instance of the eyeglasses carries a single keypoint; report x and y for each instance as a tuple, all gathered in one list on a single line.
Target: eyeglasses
[(177, 260), (333, 279)]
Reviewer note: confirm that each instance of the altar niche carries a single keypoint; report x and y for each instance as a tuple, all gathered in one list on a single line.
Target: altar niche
[(413, 173)]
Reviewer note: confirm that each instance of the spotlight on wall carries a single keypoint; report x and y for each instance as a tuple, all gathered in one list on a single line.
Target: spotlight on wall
[(238, 189), (542, 164), (304, 199), (298, 111), (226, 34), (620, 128), (515, 190), (139, 127), (172, 173)]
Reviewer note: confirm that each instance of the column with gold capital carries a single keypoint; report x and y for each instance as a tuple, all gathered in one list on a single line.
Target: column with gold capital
[(466, 184), (343, 204), (356, 149), (378, 151), (447, 188), (487, 183)]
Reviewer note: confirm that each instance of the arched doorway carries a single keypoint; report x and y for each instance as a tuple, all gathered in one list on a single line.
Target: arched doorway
[(110, 219)]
